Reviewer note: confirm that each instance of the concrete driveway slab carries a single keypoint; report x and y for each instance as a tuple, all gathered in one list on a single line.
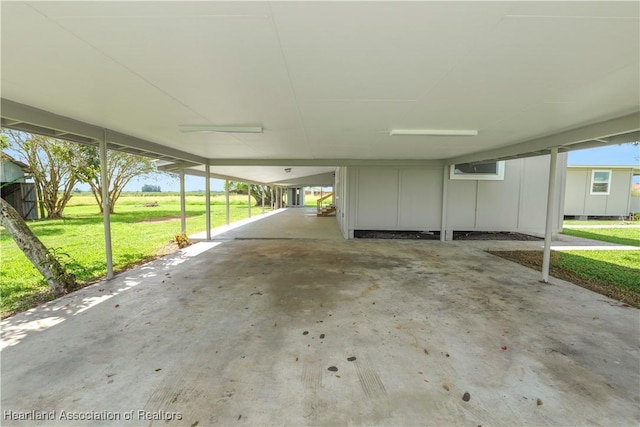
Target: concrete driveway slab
[(324, 332)]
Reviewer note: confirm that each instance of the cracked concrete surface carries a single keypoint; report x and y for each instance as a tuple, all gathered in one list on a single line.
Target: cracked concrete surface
[(242, 332)]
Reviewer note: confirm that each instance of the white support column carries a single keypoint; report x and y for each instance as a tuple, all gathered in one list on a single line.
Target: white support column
[(263, 195), (249, 199), (226, 198), (207, 199), (105, 206), (546, 256), (273, 198), (183, 205), (445, 187)]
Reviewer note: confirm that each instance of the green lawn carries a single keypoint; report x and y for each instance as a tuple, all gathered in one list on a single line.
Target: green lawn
[(619, 268), (138, 233), (622, 236), (613, 273)]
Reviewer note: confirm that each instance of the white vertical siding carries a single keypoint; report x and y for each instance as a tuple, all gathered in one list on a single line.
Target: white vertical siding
[(377, 202), (420, 199), (619, 198), (579, 200), (462, 204), (505, 194), (533, 202), (410, 198), (576, 191)]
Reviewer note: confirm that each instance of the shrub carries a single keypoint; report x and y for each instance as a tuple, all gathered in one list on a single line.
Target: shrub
[(182, 240)]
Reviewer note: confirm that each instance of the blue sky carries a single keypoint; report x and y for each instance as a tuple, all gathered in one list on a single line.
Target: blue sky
[(610, 155)]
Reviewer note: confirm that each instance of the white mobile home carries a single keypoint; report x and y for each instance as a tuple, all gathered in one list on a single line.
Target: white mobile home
[(510, 196), (600, 191)]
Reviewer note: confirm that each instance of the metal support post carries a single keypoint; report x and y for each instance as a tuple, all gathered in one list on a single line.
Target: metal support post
[(207, 199), (105, 205), (546, 256), (183, 205), (445, 187), (226, 197)]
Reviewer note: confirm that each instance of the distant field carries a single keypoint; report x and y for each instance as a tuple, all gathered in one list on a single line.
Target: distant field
[(192, 198), (139, 233)]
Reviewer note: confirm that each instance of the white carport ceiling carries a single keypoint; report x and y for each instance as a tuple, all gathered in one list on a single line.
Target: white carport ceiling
[(328, 80)]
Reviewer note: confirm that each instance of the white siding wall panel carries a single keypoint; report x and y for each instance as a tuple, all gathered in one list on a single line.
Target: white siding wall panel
[(619, 193), (533, 200), (461, 205), (576, 192), (503, 194), (377, 199), (420, 201), (595, 204)]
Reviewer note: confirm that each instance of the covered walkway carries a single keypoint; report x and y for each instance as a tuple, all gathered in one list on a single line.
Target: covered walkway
[(262, 331), (286, 223)]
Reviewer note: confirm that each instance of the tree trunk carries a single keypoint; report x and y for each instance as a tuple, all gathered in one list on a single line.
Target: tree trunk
[(54, 273)]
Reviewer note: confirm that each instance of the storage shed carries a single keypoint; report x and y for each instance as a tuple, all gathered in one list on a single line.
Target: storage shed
[(15, 189), (600, 191)]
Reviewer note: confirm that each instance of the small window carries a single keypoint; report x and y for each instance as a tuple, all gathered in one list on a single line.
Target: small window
[(481, 171), (600, 182)]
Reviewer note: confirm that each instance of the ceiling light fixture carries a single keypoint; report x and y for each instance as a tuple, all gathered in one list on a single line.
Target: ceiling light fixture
[(433, 132), (253, 128)]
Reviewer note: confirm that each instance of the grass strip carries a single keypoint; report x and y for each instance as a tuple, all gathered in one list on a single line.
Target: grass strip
[(614, 274), (621, 236)]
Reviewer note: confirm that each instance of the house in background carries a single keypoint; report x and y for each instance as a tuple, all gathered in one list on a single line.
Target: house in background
[(600, 191), (15, 189)]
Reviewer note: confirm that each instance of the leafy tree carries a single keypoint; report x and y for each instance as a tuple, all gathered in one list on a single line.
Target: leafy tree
[(52, 164), (257, 191), (121, 169), (148, 188)]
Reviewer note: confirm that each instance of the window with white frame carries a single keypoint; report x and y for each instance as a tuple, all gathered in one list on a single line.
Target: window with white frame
[(600, 182), (480, 171)]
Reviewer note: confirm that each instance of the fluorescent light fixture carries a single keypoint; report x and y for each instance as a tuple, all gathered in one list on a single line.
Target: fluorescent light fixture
[(433, 132), (221, 128)]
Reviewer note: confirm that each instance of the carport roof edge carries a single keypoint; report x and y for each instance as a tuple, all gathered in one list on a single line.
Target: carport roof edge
[(30, 119)]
